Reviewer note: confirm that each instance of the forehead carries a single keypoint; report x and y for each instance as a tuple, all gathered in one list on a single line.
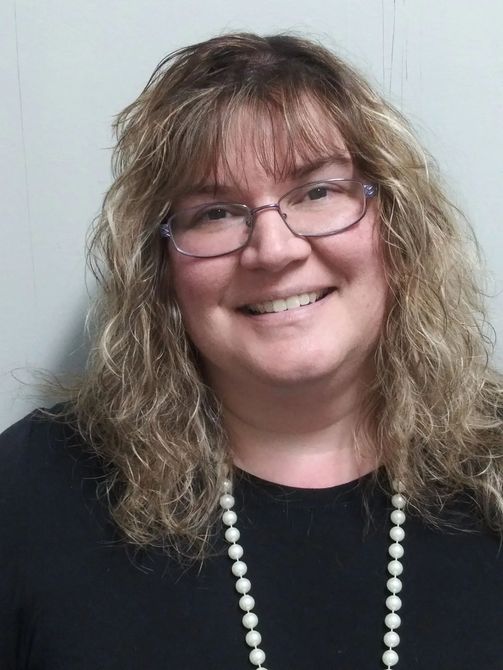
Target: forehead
[(279, 142), (280, 147)]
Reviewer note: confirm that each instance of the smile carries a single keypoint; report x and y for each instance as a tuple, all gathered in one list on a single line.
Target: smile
[(290, 302)]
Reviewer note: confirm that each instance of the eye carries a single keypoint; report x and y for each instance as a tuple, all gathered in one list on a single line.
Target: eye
[(317, 193), (214, 217), (215, 213), (208, 214)]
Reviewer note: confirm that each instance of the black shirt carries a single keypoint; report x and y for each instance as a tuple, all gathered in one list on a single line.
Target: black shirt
[(74, 597)]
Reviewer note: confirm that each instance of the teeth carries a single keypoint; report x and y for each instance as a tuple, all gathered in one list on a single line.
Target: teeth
[(282, 304)]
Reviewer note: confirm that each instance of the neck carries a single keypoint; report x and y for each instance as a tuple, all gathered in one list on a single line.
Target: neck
[(297, 437)]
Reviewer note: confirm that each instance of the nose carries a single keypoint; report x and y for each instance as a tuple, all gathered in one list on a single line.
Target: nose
[(272, 244)]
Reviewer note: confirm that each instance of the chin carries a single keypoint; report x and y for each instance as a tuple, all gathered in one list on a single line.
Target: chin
[(294, 374)]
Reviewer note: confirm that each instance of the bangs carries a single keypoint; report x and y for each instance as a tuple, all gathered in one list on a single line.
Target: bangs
[(282, 131)]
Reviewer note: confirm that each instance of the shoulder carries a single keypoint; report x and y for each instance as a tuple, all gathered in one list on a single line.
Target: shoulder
[(43, 461), (37, 440), (53, 525), (31, 435)]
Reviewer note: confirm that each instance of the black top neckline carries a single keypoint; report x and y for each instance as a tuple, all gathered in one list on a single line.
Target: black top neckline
[(253, 487)]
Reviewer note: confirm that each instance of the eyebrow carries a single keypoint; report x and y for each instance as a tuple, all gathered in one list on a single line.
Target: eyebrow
[(312, 166), (297, 172), (211, 189)]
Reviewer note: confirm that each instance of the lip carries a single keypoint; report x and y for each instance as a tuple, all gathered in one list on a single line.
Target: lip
[(288, 315), (283, 295)]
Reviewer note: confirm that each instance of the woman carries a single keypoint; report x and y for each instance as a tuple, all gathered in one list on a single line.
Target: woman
[(288, 403)]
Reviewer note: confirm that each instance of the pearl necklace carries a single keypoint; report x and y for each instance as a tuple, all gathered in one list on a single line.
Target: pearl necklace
[(243, 585)]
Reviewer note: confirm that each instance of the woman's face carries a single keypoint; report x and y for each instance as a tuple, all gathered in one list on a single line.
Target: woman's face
[(336, 335)]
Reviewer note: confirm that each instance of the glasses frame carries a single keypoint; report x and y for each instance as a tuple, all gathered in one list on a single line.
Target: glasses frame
[(369, 191)]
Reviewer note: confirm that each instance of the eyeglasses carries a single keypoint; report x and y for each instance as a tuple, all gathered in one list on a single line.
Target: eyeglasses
[(315, 209)]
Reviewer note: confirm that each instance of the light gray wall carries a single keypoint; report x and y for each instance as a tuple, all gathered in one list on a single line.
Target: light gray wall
[(67, 67)]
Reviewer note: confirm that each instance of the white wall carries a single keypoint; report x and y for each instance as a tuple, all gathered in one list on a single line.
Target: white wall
[(67, 67)]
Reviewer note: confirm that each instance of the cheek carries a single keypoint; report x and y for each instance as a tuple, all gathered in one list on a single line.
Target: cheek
[(360, 274), (355, 255), (199, 286)]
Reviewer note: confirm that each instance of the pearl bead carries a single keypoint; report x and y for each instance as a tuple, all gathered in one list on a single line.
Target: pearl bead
[(243, 585), (397, 516), (397, 533), (398, 501), (229, 517), (391, 639), (227, 501), (235, 551), (239, 569), (232, 534), (390, 657), (257, 656), (395, 550), (393, 603), (253, 638), (394, 585), (392, 620), (395, 568), (250, 620), (246, 603)]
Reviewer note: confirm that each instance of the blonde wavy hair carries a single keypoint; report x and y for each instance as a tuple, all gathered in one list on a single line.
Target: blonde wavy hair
[(143, 405)]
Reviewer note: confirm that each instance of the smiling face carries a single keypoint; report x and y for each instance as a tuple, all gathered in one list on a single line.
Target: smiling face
[(285, 310)]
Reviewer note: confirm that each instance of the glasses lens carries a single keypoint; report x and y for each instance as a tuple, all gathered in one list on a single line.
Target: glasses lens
[(210, 230), (324, 207)]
